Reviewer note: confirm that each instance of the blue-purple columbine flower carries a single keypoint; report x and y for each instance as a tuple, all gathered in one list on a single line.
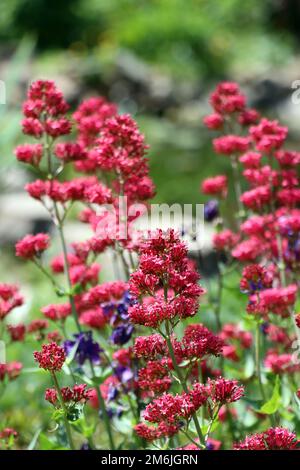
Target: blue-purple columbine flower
[(255, 286), (211, 210), (86, 349), (112, 412), (113, 393), (124, 374), (210, 446), (121, 334), (264, 328), (118, 310)]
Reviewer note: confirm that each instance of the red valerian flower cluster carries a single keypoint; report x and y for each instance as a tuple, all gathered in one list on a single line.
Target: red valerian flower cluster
[(10, 298), (52, 357), (272, 439), (10, 370), (138, 341), (76, 394), (164, 268), (32, 246), (166, 291)]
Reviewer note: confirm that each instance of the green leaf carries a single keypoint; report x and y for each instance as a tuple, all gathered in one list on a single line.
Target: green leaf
[(272, 405), (34, 440), (214, 426)]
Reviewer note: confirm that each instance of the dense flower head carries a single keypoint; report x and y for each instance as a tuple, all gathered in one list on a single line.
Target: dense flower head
[(280, 363), (32, 246), (272, 439), (170, 409), (249, 250), (231, 144), (268, 135), (11, 370), (287, 158), (255, 278), (151, 315), (257, 198), (162, 254), (276, 300), (150, 346), (227, 98), (198, 341), (154, 377), (44, 111), (8, 434), (10, 298), (29, 153), (225, 240), (69, 151), (105, 293), (77, 394), (214, 121), (151, 433), (251, 159), (52, 357), (223, 391), (37, 326), (232, 331), (120, 150), (94, 318), (17, 332), (216, 186), (57, 311), (90, 117)]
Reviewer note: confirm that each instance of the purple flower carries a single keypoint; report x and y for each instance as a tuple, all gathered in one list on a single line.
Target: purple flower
[(121, 334), (124, 374), (86, 349), (211, 210)]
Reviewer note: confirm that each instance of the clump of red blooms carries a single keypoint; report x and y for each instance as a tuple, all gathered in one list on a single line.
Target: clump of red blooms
[(271, 439), (166, 290), (161, 363), (10, 370), (76, 394), (10, 298), (52, 357)]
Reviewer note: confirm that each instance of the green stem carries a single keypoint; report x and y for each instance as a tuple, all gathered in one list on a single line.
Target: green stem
[(214, 417), (104, 412), (62, 404), (66, 265), (182, 382), (237, 187), (258, 369)]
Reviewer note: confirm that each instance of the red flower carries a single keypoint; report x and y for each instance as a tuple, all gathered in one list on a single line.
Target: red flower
[(214, 121), (198, 341), (272, 439), (57, 311), (149, 347), (29, 153), (231, 144), (32, 246), (17, 332), (223, 391), (52, 357), (255, 278), (151, 433), (215, 186)]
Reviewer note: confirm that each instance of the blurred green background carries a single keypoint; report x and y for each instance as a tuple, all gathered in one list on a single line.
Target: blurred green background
[(157, 59)]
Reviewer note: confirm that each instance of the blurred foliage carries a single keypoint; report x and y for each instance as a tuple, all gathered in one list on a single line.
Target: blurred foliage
[(187, 37)]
